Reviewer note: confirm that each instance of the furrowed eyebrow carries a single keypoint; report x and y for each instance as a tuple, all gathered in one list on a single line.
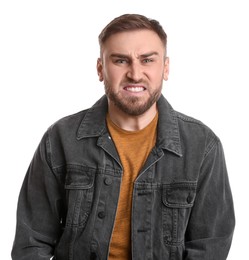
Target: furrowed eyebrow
[(146, 55), (123, 56), (117, 55)]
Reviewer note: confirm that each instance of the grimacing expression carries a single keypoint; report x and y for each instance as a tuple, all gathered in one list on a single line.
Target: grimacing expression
[(133, 66)]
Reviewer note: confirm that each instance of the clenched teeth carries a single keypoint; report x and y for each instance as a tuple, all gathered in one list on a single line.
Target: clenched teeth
[(134, 89)]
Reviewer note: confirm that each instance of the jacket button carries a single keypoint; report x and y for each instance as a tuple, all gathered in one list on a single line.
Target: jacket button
[(101, 214), (108, 181)]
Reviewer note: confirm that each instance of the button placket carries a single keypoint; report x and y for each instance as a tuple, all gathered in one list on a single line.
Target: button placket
[(108, 181), (101, 214)]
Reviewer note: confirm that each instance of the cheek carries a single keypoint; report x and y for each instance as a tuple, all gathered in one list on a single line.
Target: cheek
[(155, 77), (113, 75)]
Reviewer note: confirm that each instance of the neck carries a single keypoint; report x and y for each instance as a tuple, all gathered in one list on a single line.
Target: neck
[(128, 122)]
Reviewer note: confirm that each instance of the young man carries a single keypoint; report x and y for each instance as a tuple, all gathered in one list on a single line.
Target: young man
[(129, 178)]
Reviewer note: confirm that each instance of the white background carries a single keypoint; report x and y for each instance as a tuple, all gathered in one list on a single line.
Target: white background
[(48, 53)]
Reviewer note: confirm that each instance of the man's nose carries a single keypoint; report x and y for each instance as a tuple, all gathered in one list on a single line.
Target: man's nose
[(134, 72)]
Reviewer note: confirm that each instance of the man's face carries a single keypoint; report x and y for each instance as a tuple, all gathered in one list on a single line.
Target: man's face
[(133, 67)]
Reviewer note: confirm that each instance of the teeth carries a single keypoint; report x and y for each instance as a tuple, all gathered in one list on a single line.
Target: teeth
[(135, 89)]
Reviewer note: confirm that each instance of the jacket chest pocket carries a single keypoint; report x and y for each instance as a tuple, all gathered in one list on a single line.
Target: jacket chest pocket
[(79, 186), (177, 199)]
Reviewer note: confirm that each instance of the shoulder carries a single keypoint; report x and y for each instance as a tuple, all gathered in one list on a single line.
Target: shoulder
[(194, 131), (67, 123), (190, 123)]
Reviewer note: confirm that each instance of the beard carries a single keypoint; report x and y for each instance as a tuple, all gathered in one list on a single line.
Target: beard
[(133, 106)]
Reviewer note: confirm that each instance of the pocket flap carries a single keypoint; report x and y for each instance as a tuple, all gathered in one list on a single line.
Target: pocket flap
[(79, 177), (179, 195)]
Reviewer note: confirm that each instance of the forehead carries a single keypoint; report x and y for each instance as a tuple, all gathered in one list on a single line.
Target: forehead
[(138, 41)]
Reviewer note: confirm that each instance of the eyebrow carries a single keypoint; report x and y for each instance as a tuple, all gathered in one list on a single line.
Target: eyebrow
[(145, 55), (149, 54)]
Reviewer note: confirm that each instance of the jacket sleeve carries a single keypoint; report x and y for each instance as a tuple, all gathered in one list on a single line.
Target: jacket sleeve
[(211, 225), (38, 210)]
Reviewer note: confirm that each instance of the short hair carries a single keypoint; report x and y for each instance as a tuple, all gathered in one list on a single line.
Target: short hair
[(131, 22)]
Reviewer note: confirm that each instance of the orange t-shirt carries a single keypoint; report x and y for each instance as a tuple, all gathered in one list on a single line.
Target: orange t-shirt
[(133, 148)]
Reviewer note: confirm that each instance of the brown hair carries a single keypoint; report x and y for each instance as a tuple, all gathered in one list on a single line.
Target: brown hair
[(129, 22)]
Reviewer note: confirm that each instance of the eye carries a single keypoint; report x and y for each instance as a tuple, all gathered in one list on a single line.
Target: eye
[(121, 61), (147, 60)]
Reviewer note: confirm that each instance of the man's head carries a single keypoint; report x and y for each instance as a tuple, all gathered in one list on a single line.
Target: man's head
[(132, 22), (133, 63)]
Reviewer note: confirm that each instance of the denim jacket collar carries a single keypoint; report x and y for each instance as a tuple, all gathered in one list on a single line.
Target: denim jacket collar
[(93, 124)]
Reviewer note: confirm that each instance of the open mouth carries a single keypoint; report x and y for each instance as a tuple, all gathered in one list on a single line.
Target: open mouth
[(134, 89)]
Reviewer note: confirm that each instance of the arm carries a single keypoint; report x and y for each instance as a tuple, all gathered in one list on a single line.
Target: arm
[(38, 211), (210, 229)]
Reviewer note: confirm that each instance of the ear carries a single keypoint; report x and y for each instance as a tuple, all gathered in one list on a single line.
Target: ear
[(99, 69), (166, 69)]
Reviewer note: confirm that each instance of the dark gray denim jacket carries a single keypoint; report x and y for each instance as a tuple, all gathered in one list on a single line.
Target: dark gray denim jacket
[(182, 203)]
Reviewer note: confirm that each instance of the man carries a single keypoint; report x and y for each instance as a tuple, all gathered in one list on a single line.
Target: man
[(129, 178)]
